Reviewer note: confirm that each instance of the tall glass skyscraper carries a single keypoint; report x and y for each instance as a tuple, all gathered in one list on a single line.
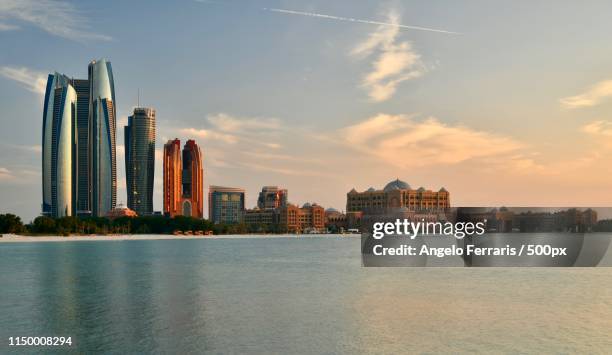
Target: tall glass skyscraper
[(59, 145), (82, 90), (102, 145), (140, 160)]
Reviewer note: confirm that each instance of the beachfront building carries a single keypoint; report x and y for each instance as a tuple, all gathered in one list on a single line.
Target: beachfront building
[(226, 204), (192, 179), (397, 194), (308, 218), (172, 178), (183, 179)]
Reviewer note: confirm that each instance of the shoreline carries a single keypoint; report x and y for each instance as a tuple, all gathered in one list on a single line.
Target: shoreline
[(14, 238)]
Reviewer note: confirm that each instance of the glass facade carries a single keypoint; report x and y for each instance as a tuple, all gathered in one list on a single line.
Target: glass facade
[(102, 145), (140, 160), (60, 145), (82, 91), (226, 204)]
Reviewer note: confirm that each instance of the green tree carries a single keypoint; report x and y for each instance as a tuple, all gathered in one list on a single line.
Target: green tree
[(9, 223), (44, 224)]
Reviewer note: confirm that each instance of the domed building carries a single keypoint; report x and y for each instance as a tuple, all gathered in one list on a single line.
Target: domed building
[(395, 195)]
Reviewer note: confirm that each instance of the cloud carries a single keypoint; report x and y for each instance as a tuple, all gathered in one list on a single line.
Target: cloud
[(598, 128), (405, 142), (5, 173), (232, 129), (7, 27), (228, 123), (32, 80), (592, 97), (395, 61), (58, 18), (208, 134)]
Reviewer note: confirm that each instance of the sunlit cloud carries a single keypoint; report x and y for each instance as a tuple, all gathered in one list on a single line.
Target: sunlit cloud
[(595, 95), (403, 141), (228, 123), (58, 18), (32, 80), (208, 134), (598, 128), (5, 173), (395, 61)]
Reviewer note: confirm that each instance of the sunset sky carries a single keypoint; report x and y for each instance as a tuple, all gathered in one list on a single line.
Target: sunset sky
[(502, 103)]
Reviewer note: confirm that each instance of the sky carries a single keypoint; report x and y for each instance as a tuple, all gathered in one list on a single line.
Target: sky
[(500, 102)]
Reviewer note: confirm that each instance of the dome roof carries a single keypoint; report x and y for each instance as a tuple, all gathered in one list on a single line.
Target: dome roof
[(396, 185), (307, 205), (443, 190), (371, 189), (331, 209), (421, 189), (353, 191)]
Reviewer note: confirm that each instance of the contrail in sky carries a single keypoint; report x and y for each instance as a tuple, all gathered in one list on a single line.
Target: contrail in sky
[(338, 18)]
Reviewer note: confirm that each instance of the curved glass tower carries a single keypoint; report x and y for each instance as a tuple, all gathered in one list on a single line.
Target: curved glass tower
[(59, 143), (102, 148)]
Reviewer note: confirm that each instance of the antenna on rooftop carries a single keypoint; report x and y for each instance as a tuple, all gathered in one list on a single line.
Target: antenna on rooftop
[(138, 104)]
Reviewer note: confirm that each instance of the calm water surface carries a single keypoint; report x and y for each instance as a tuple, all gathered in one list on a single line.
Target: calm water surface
[(289, 295)]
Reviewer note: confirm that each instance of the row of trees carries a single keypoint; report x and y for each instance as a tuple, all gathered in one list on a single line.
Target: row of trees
[(10, 223)]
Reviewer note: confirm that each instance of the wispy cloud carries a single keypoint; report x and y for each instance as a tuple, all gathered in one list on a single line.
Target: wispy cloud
[(5, 173), (228, 123), (209, 134), (395, 61), (592, 97), (32, 80), (231, 129), (59, 18), (598, 128), (349, 19), (404, 142)]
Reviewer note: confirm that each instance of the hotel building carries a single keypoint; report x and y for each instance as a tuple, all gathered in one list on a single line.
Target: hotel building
[(225, 204), (183, 179), (397, 194), (192, 179), (308, 218), (172, 178), (140, 160)]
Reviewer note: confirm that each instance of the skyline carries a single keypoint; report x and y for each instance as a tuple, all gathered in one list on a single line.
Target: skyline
[(500, 114)]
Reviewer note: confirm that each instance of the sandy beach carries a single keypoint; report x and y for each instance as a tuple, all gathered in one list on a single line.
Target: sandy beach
[(13, 238)]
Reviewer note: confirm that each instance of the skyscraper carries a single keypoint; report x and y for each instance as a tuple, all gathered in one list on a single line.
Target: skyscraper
[(192, 181), (140, 160), (172, 178), (102, 146), (59, 144), (82, 90), (183, 179), (225, 204)]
